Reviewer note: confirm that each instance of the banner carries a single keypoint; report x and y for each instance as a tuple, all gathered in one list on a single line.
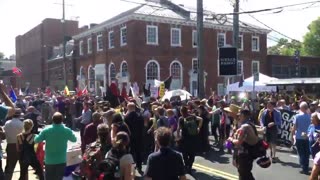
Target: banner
[(228, 61), (162, 90), (286, 125)]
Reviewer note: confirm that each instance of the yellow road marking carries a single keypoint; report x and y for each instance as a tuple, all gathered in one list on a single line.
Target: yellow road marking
[(215, 172)]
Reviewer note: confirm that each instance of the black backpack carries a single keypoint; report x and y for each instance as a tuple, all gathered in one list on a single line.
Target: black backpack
[(110, 166), (257, 150)]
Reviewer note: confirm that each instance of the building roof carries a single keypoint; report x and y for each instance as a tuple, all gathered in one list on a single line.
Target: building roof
[(294, 81), (7, 64), (157, 12)]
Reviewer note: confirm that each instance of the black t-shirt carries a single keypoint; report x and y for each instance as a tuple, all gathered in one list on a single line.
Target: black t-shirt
[(165, 164)]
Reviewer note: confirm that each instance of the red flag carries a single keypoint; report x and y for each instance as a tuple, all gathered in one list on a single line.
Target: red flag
[(17, 71), (84, 91), (79, 92), (48, 92)]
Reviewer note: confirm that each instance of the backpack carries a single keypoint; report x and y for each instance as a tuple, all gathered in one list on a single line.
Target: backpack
[(91, 159), (257, 150), (191, 126), (110, 166), (163, 122)]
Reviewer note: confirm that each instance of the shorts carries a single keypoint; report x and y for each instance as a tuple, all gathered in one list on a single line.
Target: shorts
[(272, 136)]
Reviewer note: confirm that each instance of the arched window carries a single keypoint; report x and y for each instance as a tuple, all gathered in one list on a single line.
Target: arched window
[(91, 77), (176, 73), (112, 73), (152, 70), (124, 69)]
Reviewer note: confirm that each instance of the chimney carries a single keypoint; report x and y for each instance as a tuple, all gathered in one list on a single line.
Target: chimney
[(176, 8), (92, 25)]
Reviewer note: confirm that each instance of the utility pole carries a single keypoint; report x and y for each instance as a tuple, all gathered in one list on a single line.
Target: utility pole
[(64, 44), (200, 49), (236, 24)]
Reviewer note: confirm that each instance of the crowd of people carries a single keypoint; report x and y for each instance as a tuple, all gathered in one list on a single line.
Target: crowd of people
[(166, 136)]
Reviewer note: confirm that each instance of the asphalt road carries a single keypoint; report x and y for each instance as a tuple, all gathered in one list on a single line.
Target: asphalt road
[(217, 166)]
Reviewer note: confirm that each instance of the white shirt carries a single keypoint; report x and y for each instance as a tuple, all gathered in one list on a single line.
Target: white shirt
[(12, 128)]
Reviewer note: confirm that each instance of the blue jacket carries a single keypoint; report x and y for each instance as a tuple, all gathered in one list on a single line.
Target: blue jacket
[(276, 115)]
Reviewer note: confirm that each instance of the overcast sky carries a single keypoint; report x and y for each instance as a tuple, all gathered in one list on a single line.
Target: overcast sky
[(19, 16)]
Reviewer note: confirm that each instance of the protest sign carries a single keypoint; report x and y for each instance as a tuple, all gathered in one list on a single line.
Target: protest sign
[(284, 132)]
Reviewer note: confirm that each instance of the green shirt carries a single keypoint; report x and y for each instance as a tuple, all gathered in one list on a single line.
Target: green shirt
[(56, 137), (3, 112)]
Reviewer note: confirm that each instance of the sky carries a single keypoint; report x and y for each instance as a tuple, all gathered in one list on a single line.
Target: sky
[(19, 16)]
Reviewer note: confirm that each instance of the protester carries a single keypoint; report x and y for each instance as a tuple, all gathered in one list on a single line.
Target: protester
[(118, 125), (204, 131), (35, 117), (27, 152), (244, 135), (12, 128), (162, 120), (215, 120), (84, 119), (300, 128), (313, 134), (166, 163), (56, 137), (316, 168), (90, 132), (271, 121)]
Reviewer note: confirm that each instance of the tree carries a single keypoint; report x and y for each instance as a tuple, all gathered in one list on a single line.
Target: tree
[(311, 40), (1, 55), (284, 47)]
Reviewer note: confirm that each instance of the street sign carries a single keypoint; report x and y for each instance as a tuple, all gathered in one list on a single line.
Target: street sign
[(228, 61), (256, 76)]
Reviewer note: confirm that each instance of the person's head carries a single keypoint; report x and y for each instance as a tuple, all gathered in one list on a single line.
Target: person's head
[(170, 113), (31, 109), (27, 125), (103, 132), (271, 105), (303, 106), (201, 109), (315, 118), (57, 118), (184, 111), (232, 110), (244, 115), (282, 102), (161, 111), (163, 136), (117, 118), (18, 113), (96, 118), (86, 106), (131, 107), (122, 141)]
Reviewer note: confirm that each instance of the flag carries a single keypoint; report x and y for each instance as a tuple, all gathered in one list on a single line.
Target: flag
[(112, 95), (79, 92), (66, 91), (84, 91), (167, 82), (241, 81), (48, 91), (12, 95), (16, 71)]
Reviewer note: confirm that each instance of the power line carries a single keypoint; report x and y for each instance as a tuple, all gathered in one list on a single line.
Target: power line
[(269, 9)]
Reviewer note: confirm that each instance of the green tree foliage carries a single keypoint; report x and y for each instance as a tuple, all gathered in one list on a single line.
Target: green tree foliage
[(286, 48), (311, 40)]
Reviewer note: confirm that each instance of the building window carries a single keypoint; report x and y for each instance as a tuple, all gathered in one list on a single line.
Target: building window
[(99, 42), (111, 39), (123, 36), (153, 70), (81, 47), (112, 73), (89, 45), (240, 67), (152, 35), (221, 89), (175, 37), (194, 38), (221, 40), (176, 73), (124, 69), (91, 75), (255, 43), (195, 65), (255, 67), (240, 43)]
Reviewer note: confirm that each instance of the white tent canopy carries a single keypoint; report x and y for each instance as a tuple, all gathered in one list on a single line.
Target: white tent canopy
[(260, 86)]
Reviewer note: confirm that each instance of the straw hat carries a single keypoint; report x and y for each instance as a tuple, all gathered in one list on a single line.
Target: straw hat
[(233, 109)]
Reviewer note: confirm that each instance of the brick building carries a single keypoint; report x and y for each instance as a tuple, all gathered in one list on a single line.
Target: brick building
[(156, 40), (36, 46), (6, 74), (286, 67)]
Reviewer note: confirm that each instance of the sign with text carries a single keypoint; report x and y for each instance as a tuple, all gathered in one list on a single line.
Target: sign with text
[(228, 61), (286, 126)]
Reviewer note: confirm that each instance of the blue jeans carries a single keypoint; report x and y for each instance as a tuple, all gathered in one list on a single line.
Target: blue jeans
[(304, 153), (55, 171)]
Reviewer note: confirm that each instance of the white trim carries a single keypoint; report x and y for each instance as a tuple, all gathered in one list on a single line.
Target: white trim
[(258, 44), (146, 68), (88, 76), (242, 70), (181, 70), (98, 36), (258, 62), (241, 49), (121, 40), (109, 72), (194, 33), (80, 70), (81, 47), (157, 38), (121, 67), (225, 41), (175, 29), (89, 44), (109, 42)]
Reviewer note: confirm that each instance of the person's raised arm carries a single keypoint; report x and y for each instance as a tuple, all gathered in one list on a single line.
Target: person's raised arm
[(7, 100)]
